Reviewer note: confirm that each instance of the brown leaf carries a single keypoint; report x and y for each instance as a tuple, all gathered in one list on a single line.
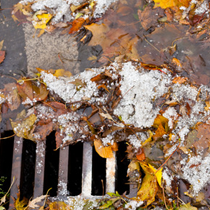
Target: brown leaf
[(204, 137), (11, 94), (42, 129), (2, 56), (25, 90), (58, 139)]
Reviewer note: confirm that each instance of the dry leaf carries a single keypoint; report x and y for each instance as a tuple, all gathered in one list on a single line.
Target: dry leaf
[(33, 203), (1, 44), (180, 80)]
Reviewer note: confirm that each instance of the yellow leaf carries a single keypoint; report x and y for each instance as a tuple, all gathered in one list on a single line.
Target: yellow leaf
[(79, 14), (164, 3), (158, 174), (149, 139), (58, 205), (92, 58), (104, 151), (207, 105), (1, 44), (22, 126), (62, 73), (149, 187), (187, 207), (20, 205), (43, 19), (159, 132), (161, 120)]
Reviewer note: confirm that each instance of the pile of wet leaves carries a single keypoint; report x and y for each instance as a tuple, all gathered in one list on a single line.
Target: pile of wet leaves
[(152, 92)]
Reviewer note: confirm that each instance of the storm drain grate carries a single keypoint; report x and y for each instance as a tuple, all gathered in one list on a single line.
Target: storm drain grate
[(40, 173)]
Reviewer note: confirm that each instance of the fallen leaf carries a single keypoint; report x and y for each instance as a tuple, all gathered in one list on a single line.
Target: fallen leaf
[(58, 205), (159, 132), (22, 126), (62, 73), (149, 139), (161, 120), (1, 44), (2, 56), (42, 21), (180, 80), (76, 25), (12, 96), (140, 154), (207, 105), (158, 174), (20, 204), (149, 187), (187, 207), (176, 62), (105, 151), (33, 203)]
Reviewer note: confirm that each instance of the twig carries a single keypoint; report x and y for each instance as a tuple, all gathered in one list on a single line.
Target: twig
[(7, 137), (168, 158)]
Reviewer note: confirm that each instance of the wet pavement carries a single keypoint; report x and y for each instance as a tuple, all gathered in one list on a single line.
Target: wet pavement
[(15, 63)]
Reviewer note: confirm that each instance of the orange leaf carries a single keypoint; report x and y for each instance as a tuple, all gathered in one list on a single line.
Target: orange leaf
[(179, 80), (159, 132), (104, 152), (2, 56), (76, 25), (176, 62), (140, 154)]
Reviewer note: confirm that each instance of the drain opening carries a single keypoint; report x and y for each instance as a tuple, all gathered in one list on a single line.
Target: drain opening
[(75, 169), (6, 152), (51, 166), (122, 181), (27, 169), (98, 174)]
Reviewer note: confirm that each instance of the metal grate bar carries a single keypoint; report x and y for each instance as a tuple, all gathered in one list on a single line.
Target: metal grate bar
[(16, 168), (39, 169), (87, 169), (63, 171), (110, 173)]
